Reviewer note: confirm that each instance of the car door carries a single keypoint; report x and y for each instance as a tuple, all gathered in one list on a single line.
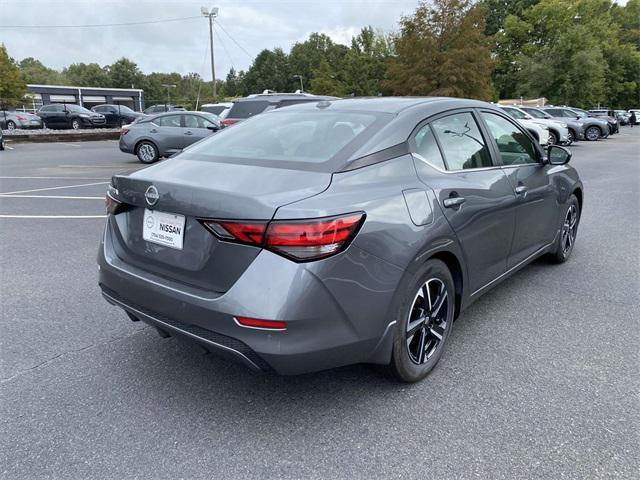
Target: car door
[(473, 191), (195, 128), (111, 115), (536, 206), (168, 133)]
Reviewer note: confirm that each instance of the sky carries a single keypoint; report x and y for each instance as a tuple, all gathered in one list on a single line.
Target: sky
[(245, 28)]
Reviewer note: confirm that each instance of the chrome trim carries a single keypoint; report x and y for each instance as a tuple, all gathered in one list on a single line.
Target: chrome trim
[(530, 257), (123, 305), (259, 328), (422, 159)]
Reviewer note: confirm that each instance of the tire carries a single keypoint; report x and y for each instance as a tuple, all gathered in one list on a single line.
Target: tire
[(553, 138), (592, 133), (75, 124), (11, 125), (420, 339), (572, 137), (147, 152), (568, 231)]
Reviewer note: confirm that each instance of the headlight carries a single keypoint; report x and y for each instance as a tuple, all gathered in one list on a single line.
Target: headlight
[(84, 115), (564, 125), (545, 128)]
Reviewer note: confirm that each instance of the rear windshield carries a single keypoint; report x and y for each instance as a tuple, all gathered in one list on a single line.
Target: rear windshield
[(247, 109), (216, 110), (287, 136)]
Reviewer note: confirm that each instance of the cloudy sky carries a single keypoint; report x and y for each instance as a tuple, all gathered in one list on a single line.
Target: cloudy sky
[(246, 27)]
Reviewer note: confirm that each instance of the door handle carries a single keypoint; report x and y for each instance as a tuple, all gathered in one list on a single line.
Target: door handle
[(153, 131), (188, 133), (453, 202), (521, 189)]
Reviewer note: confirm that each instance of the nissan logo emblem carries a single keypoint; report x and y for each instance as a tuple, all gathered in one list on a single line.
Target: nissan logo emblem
[(151, 195)]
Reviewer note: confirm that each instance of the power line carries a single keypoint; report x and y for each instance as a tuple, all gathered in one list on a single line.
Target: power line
[(234, 41), (219, 37), (95, 25)]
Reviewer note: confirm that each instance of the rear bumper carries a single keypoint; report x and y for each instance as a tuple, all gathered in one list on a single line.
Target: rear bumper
[(322, 331), (124, 146)]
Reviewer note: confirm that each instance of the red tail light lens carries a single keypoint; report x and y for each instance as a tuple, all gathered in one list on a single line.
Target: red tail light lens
[(261, 324), (21, 118), (227, 122), (123, 131), (112, 205), (299, 240)]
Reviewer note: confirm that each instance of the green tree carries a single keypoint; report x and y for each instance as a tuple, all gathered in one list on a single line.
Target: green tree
[(499, 10), (124, 74), (86, 75), (35, 72), (364, 66), (442, 50), (305, 57), (325, 81), (12, 84), (269, 71)]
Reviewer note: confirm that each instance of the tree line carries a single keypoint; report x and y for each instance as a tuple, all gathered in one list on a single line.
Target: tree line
[(578, 52)]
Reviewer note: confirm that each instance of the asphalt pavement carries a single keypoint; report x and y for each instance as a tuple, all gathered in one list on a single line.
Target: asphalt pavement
[(539, 379)]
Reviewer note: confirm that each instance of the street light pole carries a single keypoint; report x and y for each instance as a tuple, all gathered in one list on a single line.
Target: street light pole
[(211, 14)]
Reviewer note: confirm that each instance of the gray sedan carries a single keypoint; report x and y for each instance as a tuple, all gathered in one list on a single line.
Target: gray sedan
[(167, 133), (337, 232), (12, 120)]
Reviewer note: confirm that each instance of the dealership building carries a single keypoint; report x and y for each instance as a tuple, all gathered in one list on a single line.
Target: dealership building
[(39, 95)]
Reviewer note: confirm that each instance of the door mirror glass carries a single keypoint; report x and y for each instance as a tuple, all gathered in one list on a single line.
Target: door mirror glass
[(213, 127), (558, 155)]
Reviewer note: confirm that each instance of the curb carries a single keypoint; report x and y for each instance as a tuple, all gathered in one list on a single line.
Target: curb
[(65, 137)]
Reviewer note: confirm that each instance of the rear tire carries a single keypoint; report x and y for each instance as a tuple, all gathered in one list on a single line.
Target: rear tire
[(11, 125), (424, 321), (592, 133), (75, 124), (553, 138), (568, 231), (147, 152)]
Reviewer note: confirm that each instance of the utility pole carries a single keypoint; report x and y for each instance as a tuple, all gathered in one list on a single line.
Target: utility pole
[(211, 14), (301, 84)]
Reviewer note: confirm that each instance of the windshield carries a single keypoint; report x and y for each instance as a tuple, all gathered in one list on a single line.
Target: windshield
[(124, 108), (300, 136), (215, 109), (515, 113), (536, 113), (76, 108)]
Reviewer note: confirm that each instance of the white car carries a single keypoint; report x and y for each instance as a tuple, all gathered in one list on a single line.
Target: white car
[(221, 109), (548, 132)]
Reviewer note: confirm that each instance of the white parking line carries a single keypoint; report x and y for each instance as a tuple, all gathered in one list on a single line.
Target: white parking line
[(53, 216), (52, 178), (54, 188), (69, 144), (8, 147), (66, 197)]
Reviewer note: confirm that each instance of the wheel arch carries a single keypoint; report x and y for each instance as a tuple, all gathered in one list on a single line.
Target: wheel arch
[(453, 264), (145, 139), (578, 193)]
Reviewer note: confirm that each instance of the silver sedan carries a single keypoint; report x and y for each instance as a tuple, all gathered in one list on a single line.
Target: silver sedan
[(12, 120)]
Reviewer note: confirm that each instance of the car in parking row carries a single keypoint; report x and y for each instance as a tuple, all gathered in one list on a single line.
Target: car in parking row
[(12, 120), (594, 128), (117, 115), (163, 107), (575, 128), (68, 115), (612, 122), (558, 133)]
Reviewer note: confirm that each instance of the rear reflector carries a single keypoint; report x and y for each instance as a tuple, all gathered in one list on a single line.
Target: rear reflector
[(299, 240), (262, 324)]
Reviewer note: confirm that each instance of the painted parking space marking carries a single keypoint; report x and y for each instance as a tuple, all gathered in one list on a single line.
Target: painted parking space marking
[(53, 188), (52, 216), (64, 197), (51, 178)]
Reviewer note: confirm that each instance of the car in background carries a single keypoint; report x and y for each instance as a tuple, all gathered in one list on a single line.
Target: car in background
[(623, 116), (594, 128), (558, 131), (538, 131), (165, 134), (574, 127), (1, 140), (11, 120), (117, 115), (69, 115), (163, 107), (252, 105), (310, 238), (606, 114), (221, 109)]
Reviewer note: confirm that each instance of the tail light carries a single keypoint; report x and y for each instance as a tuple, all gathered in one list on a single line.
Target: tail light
[(261, 324), (299, 240), (229, 121), (111, 203), (123, 131), (21, 118)]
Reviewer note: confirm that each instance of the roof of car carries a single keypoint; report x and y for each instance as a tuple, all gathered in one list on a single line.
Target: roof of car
[(279, 97)]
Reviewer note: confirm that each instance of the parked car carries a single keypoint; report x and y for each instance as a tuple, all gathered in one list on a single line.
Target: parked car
[(220, 109), (247, 107), (58, 115), (11, 119), (167, 133), (326, 234), (117, 115), (606, 114), (558, 133), (575, 128), (623, 116), (1, 140), (594, 128), (163, 107), (538, 131)]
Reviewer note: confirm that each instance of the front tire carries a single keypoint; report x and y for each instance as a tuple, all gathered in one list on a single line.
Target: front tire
[(147, 152), (593, 133), (553, 138), (568, 231), (75, 124), (11, 125), (423, 322)]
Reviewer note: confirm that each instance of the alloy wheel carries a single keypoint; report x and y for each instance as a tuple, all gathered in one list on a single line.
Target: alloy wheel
[(427, 322), (11, 125), (75, 125), (553, 138), (569, 229), (146, 152), (592, 133)]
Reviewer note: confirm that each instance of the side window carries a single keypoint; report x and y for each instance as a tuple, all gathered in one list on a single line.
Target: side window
[(168, 121), (57, 108), (462, 143), (514, 146), (427, 147), (196, 121), (46, 108)]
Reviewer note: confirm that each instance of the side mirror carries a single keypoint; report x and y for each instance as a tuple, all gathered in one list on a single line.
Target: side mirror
[(558, 155), (213, 128)]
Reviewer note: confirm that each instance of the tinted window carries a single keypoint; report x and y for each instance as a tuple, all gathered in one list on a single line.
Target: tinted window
[(247, 109), (76, 108), (462, 143), (47, 108), (514, 146), (515, 113), (288, 136), (196, 121), (535, 113), (217, 110), (554, 111), (168, 121), (427, 147)]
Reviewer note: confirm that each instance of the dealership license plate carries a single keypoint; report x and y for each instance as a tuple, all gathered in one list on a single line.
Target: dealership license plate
[(163, 228)]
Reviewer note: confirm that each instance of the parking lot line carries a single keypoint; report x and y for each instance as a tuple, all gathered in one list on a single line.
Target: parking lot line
[(65, 197), (52, 178), (69, 144), (54, 188), (53, 216)]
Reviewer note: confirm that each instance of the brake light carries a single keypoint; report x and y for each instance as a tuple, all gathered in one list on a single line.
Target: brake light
[(229, 121), (299, 240), (20, 117), (261, 324), (111, 204), (123, 131)]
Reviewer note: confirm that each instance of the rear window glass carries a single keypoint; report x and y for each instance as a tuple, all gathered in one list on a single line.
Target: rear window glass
[(296, 136), (247, 109), (217, 110)]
